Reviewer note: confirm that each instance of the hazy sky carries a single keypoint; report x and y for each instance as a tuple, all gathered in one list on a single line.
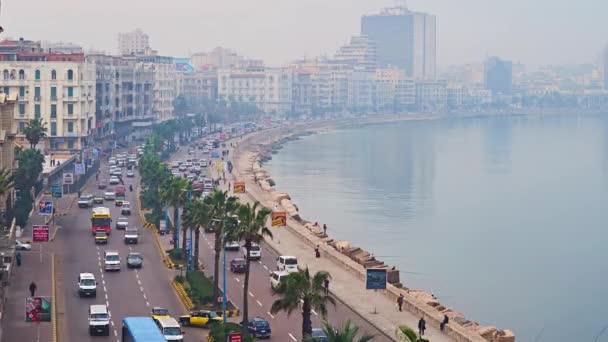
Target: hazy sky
[(531, 31)]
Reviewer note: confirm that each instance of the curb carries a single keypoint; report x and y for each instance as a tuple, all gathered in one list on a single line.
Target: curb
[(229, 313), (183, 296)]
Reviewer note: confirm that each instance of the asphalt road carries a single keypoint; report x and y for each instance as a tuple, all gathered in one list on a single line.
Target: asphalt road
[(127, 292), (284, 328)]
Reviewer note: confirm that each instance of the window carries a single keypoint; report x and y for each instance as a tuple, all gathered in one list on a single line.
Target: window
[(71, 143), (5, 74), (22, 91), (37, 93), (22, 109), (37, 111), (70, 91), (70, 108), (5, 90), (53, 128), (21, 74), (37, 75), (53, 93), (53, 111), (70, 75), (53, 75), (21, 126), (70, 127)]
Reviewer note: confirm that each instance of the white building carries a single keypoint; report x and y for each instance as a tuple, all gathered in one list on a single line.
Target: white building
[(163, 83), (223, 58), (360, 51), (431, 95), (271, 90), (360, 90), (133, 43), (393, 90)]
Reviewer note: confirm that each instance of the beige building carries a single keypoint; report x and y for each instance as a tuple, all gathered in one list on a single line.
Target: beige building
[(222, 58), (198, 84), (7, 139), (133, 43), (393, 90)]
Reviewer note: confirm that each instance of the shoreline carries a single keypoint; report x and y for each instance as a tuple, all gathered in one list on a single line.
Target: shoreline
[(256, 147)]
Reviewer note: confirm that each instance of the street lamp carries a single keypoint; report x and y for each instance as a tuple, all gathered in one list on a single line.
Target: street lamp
[(190, 252), (224, 272)]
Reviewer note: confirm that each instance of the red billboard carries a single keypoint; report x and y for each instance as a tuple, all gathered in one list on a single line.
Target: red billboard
[(40, 233)]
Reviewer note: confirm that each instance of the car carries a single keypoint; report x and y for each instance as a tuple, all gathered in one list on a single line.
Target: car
[(135, 260), (87, 285), (115, 173), (204, 163), (131, 235), (99, 320), (85, 201), (259, 327), (111, 261), (276, 277), (254, 254), (318, 335), (238, 265), (158, 312), (101, 238), (200, 318), (109, 196), (232, 246), (122, 223), (114, 180), (21, 246), (102, 184), (126, 208), (287, 263), (119, 201), (170, 329), (182, 168), (130, 174), (98, 199)]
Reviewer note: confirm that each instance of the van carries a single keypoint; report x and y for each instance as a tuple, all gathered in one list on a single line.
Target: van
[(111, 261), (170, 329), (131, 235), (99, 320), (254, 254), (87, 285), (287, 263), (276, 277), (85, 201)]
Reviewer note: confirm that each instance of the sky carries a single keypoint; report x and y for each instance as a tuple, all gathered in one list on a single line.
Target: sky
[(534, 32)]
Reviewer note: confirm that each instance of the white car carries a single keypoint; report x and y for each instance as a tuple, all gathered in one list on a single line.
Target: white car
[(276, 277), (20, 246), (122, 223), (130, 174), (87, 286), (287, 263), (232, 246), (204, 163), (109, 196), (111, 261), (254, 254), (114, 180), (125, 209)]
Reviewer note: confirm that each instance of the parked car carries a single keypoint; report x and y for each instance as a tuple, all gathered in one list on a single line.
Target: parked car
[(318, 335), (287, 263), (276, 277), (21, 246), (200, 318)]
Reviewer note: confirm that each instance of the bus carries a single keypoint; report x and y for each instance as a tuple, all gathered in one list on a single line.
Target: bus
[(101, 220), (141, 329)]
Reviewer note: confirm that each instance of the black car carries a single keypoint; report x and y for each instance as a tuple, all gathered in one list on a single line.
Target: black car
[(258, 327), (135, 260), (318, 335), (238, 265)]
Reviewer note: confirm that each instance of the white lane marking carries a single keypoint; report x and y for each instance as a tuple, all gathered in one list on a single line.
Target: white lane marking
[(106, 295), (259, 262), (101, 275), (99, 263), (146, 298), (237, 279), (147, 304), (293, 338), (107, 303), (104, 288), (138, 282), (141, 288), (259, 303), (109, 313), (251, 294), (314, 312), (269, 314), (116, 334), (112, 323), (265, 267), (103, 281)]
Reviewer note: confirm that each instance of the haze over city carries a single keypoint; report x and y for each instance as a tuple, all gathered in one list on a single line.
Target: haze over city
[(277, 31)]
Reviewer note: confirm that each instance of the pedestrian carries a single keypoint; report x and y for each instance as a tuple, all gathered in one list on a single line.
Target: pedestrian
[(78, 193), (445, 322), (97, 176), (324, 229), (317, 253), (421, 326), (228, 186), (400, 302), (18, 257), (326, 286), (33, 289)]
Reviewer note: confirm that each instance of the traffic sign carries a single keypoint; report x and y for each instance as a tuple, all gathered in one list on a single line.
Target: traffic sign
[(68, 178), (45, 208), (79, 169), (40, 233), (235, 337), (57, 190)]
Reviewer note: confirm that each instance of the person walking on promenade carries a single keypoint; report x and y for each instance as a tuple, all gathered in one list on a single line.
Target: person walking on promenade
[(326, 286), (421, 326), (317, 253), (18, 257), (400, 302), (324, 229), (445, 322), (33, 289), (228, 186)]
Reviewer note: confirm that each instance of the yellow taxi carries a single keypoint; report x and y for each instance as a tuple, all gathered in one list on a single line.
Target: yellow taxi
[(101, 238), (200, 318), (158, 312)]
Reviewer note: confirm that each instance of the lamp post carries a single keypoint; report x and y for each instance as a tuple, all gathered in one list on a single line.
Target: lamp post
[(190, 252), (224, 285)]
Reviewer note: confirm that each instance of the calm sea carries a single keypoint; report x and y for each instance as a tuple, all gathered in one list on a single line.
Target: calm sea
[(504, 219)]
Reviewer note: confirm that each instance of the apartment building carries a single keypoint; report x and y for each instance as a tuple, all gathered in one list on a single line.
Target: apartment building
[(393, 90), (7, 141), (431, 95), (133, 43), (163, 76), (197, 84)]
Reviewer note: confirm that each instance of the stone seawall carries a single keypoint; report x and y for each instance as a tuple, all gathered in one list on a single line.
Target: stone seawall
[(257, 147)]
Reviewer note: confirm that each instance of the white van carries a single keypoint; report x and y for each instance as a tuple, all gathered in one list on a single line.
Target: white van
[(276, 277), (111, 261), (99, 320), (287, 263), (254, 254), (87, 285), (170, 329)]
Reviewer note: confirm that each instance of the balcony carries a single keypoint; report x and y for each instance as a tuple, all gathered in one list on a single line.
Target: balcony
[(70, 98), (37, 98), (70, 134), (53, 98)]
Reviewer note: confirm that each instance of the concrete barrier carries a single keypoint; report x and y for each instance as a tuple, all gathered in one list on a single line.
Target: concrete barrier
[(183, 296)]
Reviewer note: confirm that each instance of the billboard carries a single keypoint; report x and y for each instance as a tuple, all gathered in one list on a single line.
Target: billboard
[(38, 309), (279, 219), (57, 190), (183, 65), (68, 178), (40, 233), (375, 279), (45, 208), (239, 188), (79, 169)]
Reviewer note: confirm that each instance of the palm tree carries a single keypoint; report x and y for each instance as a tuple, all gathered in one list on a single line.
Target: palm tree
[(201, 218), (403, 333), (6, 181), (251, 229), (222, 207), (302, 288), (34, 131), (173, 194), (347, 333)]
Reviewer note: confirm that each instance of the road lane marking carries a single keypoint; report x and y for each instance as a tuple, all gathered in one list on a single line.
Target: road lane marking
[(269, 314), (106, 295), (293, 338), (259, 303), (139, 282), (146, 298), (141, 288), (112, 323), (107, 303), (116, 334), (251, 294), (314, 312), (147, 304), (104, 288), (265, 267), (237, 279)]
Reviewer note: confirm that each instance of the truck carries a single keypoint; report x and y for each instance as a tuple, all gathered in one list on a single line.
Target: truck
[(101, 220)]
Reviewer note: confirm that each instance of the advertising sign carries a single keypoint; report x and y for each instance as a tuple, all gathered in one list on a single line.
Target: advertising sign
[(57, 190), (68, 178), (279, 219), (40, 233), (38, 309), (375, 279), (79, 169), (183, 65), (239, 188), (162, 227), (45, 208), (235, 337)]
